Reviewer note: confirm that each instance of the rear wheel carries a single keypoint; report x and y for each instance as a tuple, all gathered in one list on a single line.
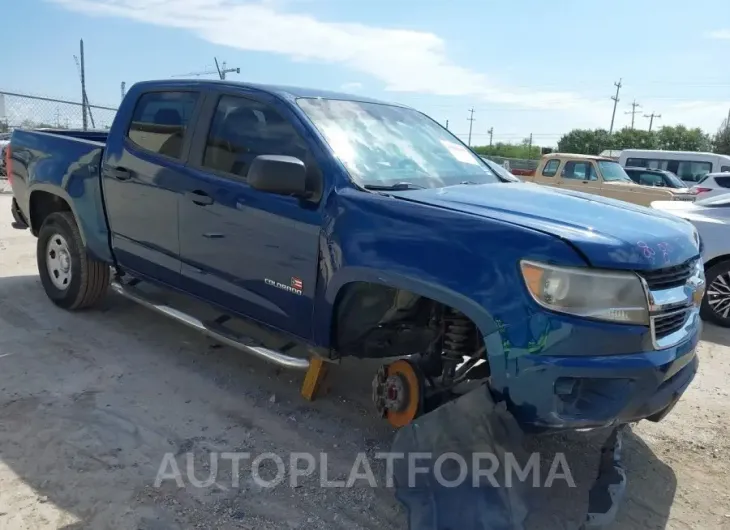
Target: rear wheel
[(716, 303), (71, 278)]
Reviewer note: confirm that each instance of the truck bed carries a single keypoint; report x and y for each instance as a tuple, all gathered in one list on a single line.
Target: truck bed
[(68, 161)]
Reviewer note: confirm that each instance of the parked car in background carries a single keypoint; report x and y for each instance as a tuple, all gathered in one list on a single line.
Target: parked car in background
[(711, 217), (689, 166), (500, 171), (655, 177), (712, 185), (599, 176)]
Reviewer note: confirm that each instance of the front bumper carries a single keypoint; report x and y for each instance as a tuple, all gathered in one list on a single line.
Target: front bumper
[(594, 391)]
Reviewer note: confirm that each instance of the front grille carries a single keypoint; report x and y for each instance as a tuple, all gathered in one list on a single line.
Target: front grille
[(668, 277), (665, 325)]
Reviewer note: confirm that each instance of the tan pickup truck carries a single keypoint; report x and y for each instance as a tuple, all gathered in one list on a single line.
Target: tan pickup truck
[(601, 176)]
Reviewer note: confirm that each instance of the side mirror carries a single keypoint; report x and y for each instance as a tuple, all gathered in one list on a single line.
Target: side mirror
[(283, 175)]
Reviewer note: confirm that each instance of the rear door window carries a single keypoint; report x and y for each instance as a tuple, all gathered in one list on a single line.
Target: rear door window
[(160, 121)]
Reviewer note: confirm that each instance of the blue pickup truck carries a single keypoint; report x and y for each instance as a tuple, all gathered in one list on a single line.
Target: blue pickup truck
[(359, 228)]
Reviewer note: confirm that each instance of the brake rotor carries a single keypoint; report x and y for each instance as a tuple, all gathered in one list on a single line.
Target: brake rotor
[(398, 392)]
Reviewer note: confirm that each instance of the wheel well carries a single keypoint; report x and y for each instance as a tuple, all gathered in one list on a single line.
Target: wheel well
[(374, 320), (714, 261), (43, 204)]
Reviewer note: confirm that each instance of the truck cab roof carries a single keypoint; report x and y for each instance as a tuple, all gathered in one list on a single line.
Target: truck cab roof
[(285, 92)]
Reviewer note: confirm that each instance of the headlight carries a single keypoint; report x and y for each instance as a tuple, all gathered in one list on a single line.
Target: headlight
[(603, 295)]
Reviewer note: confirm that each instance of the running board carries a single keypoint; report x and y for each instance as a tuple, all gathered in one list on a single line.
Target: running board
[(213, 330)]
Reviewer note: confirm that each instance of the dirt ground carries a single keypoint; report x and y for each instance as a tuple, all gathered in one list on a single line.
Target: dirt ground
[(91, 402)]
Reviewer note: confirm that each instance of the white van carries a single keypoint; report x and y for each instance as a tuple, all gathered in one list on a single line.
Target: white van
[(690, 166)]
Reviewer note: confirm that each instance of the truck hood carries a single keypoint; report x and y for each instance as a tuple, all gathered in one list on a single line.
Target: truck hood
[(610, 233)]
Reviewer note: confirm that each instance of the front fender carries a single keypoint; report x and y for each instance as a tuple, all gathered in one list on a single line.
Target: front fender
[(478, 314), (463, 261)]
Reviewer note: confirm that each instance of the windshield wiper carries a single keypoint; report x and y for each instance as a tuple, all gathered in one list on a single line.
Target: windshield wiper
[(398, 186)]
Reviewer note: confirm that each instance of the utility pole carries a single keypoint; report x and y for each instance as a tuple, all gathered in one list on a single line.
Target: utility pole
[(490, 132), (633, 111), (615, 103), (84, 119), (447, 125), (651, 118), (529, 146), (124, 88), (471, 123)]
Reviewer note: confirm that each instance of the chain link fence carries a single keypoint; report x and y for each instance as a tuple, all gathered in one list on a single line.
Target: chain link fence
[(26, 111)]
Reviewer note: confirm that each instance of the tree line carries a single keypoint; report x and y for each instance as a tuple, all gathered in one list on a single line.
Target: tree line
[(594, 141)]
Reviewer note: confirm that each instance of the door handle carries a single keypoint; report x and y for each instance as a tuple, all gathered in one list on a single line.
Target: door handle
[(200, 198), (120, 173)]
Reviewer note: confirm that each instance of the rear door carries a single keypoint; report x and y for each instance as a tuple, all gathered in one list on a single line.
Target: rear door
[(251, 252), (141, 179)]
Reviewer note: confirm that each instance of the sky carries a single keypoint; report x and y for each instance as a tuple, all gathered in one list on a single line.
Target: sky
[(524, 66)]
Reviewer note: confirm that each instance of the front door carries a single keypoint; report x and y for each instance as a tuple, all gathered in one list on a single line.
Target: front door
[(141, 178), (251, 252), (580, 175)]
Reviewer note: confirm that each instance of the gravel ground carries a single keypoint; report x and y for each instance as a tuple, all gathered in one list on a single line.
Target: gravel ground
[(91, 402)]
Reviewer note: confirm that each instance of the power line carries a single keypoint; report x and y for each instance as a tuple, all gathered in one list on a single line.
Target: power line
[(633, 112), (221, 70), (651, 118), (615, 103), (471, 123)]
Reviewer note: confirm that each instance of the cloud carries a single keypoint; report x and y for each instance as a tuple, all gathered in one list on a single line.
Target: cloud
[(720, 34), (404, 60), (351, 86)]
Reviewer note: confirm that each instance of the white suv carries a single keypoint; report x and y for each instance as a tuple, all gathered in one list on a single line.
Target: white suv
[(711, 185)]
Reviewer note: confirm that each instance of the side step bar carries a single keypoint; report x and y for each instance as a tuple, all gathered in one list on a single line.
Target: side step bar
[(212, 330)]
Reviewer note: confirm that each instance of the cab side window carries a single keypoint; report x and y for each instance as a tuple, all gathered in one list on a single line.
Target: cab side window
[(160, 120), (551, 168), (579, 171), (243, 129)]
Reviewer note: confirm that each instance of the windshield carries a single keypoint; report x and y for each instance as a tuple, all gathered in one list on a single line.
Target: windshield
[(381, 145), (675, 180), (613, 172)]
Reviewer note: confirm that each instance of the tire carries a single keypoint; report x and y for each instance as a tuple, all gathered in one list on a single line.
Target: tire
[(718, 288), (71, 279)]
